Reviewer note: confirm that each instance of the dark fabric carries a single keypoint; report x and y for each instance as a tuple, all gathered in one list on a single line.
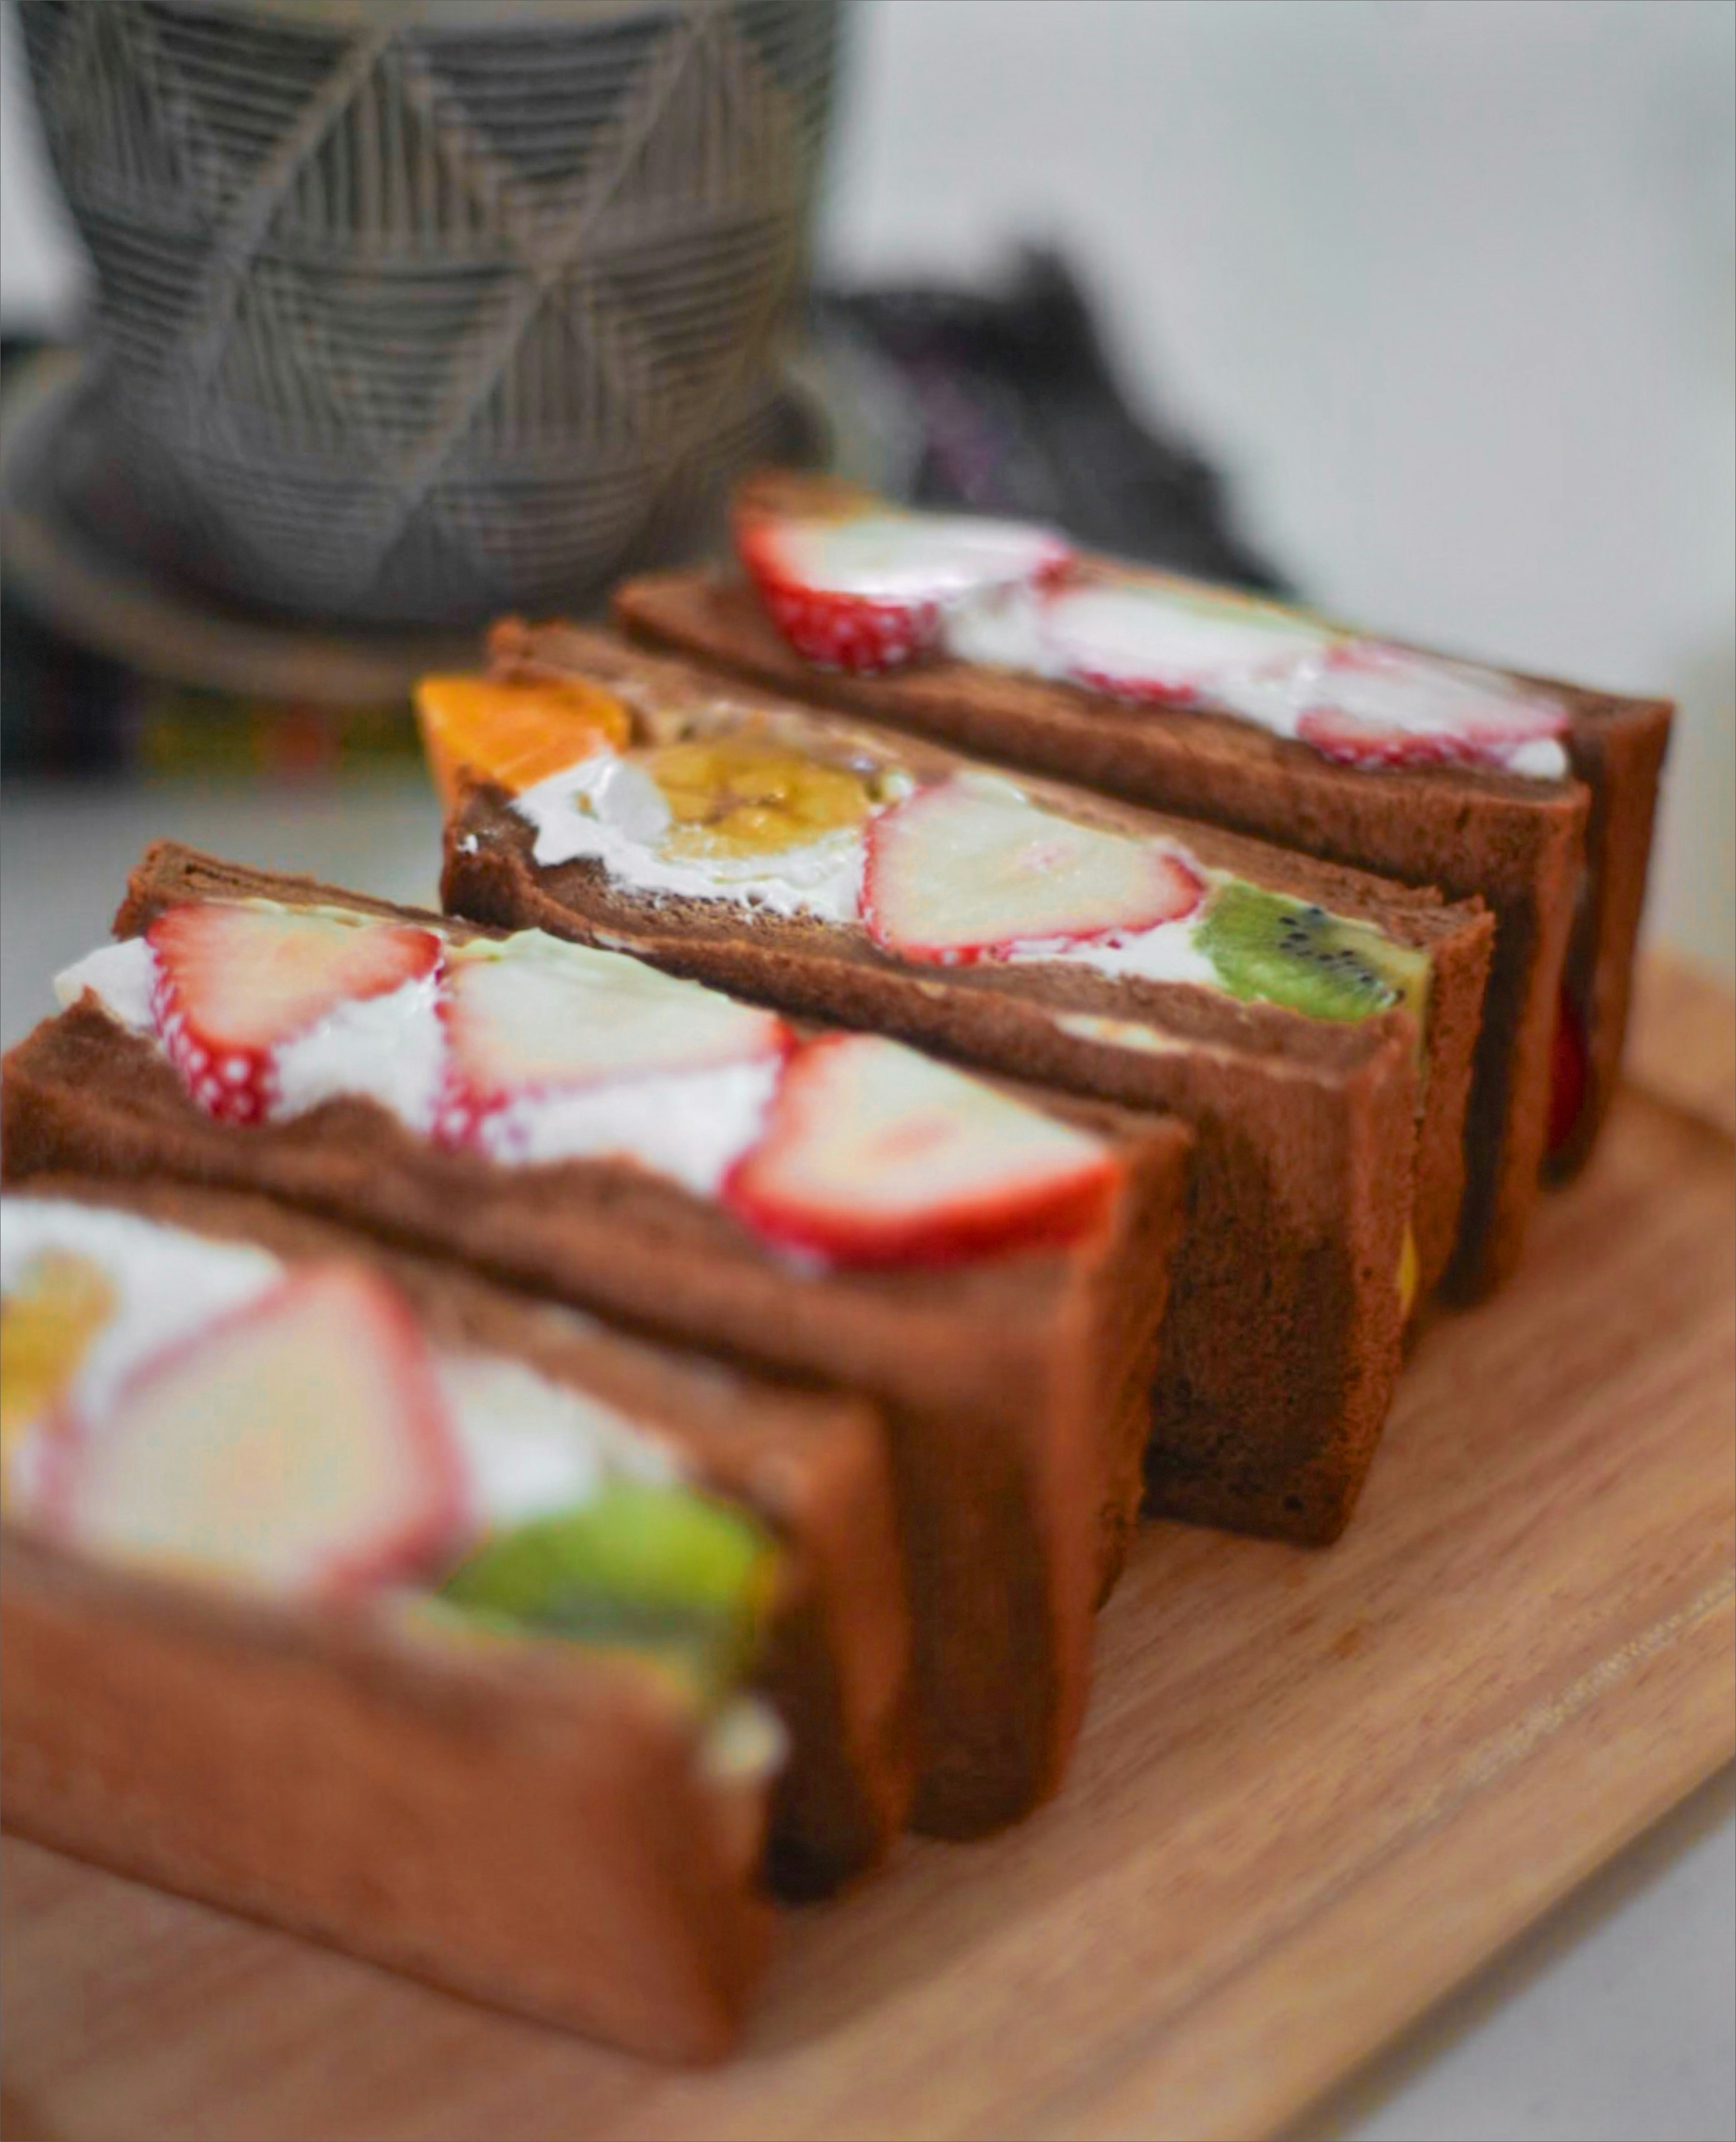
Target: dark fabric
[(1007, 403)]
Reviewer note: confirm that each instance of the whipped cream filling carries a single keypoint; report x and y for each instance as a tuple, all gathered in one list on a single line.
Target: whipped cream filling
[(121, 976), (1169, 952), (1262, 666), (388, 1048), (608, 810), (530, 1446), (689, 1127)]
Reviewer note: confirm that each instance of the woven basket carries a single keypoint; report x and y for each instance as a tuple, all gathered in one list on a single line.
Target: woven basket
[(413, 311)]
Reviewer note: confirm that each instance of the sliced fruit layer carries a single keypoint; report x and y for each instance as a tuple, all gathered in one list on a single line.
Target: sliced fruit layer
[(738, 796), (535, 1015), (1373, 706), (1152, 640), (234, 982), (1569, 1074), (1410, 1272), (299, 1444), (972, 868), (514, 732), (47, 1324), (869, 591), (1292, 953), (646, 1568), (874, 1154)]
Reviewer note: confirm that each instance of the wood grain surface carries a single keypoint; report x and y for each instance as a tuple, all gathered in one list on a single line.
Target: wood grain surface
[(1316, 1789)]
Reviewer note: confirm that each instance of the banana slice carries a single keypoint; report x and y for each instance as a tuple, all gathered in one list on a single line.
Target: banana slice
[(736, 795), (46, 1326)]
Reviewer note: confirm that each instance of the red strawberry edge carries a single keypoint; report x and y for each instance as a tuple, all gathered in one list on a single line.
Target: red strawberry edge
[(852, 633), (236, 1083), (1053, 1215), (1351, 741), (1190, 891), (856, 633), (464, 1104), (233, 1085), (426, 1541), (1141, 691)]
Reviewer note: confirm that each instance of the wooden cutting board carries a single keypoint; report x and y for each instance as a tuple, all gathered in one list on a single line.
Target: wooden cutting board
[(1316, 1789)]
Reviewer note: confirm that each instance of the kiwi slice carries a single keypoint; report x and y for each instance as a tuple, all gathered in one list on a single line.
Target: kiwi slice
[(660, 1570), (1289, 952)]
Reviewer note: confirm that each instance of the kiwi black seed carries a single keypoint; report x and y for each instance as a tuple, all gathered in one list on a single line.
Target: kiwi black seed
[(1294, 953)]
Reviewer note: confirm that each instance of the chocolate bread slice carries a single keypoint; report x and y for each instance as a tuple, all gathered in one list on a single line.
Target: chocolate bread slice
[(811, 1467), (567, 1825), (548, 1835), (1282, 1344), (1523, 845), (1012, 1387)]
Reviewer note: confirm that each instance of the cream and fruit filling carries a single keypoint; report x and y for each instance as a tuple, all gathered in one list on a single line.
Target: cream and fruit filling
[(198, 1408), (619, 812), (873, 588), (967, 870), (848, 1150)]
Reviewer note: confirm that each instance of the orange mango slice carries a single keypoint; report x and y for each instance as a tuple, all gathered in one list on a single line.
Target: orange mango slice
[(514, 732)]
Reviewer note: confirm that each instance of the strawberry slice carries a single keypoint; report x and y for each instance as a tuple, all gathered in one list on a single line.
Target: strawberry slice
[(869, 591), (1569, 1074), (300, 1442), (1369, 705), (537, 1015), (235, 982), (875, 1155), (971, 868), (1168, 641)]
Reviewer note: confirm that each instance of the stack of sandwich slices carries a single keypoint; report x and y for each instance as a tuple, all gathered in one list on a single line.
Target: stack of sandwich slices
[(531, 1432)]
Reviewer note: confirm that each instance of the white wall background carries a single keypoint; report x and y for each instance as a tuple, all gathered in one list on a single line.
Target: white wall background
[(1448, 285)]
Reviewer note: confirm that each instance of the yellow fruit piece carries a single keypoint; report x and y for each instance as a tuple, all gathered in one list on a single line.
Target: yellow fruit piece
[(514, 731), (737, 795), (46, 1326), (1409, 1272)]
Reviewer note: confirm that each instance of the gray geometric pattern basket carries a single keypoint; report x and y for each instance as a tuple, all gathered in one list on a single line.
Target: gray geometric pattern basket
[(411, 311)]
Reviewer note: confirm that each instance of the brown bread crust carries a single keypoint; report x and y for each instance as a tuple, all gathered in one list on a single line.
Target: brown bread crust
[(995, 1380), (1283, 1342), (1617, 750), (520, 1823), (1517, 843), (812, 1465)]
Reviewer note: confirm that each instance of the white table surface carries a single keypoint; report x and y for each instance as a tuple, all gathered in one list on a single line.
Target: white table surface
[(1615, 2017)]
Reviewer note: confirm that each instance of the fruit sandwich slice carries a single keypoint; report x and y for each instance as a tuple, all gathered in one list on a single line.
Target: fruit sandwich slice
[(1538, 797), (1275, 1002), (985, 1266), (357, 1594), (546, 1401)]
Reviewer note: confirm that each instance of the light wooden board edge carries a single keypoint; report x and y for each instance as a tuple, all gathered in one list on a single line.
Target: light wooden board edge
[(1351, 1979), (1682, 1041), (1645, 1725)]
